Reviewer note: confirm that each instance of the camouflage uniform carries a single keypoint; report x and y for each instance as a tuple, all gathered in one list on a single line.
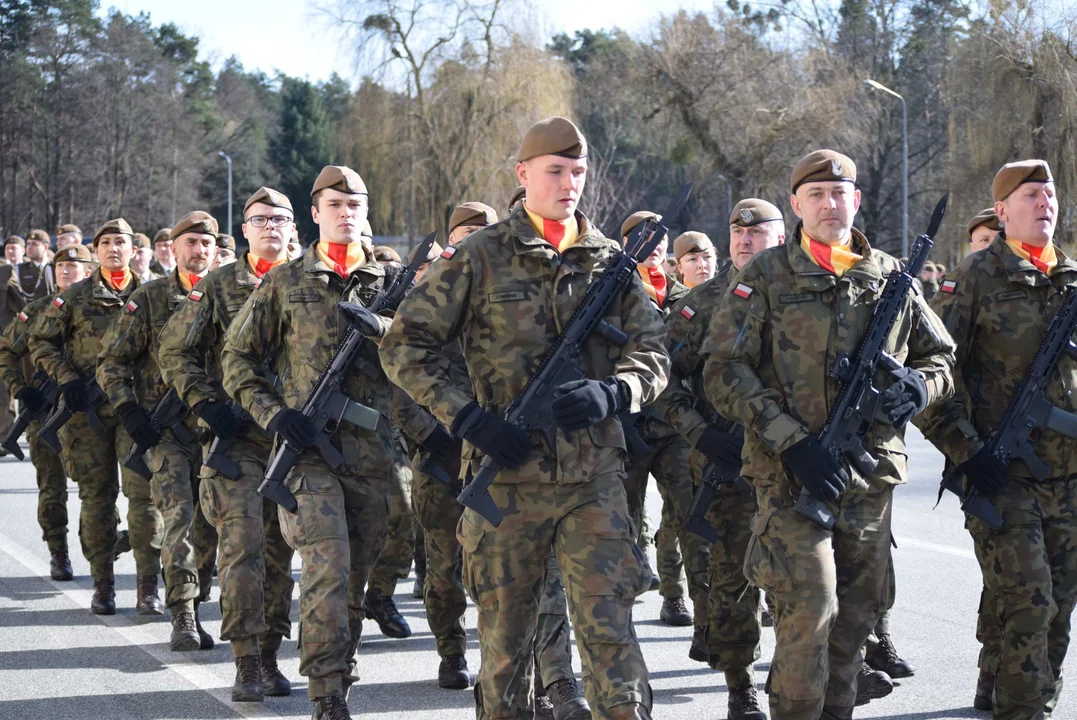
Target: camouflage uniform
[(506, 294), (394, 563), (11, 302), (997, 306), (127, 372), (768, 352), (65, 342), (732, 619), (339, 527), (253, 561), (15, 371)]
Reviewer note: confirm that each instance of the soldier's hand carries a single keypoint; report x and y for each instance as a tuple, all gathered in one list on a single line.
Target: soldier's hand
[(906, 398), (501, 440), (137, 424), (439, 444), (818, 471), (985, 471), (722, 448), (362, 319), (220, 418), (76, 398), (32, 399), (579, 404), (295, 427)]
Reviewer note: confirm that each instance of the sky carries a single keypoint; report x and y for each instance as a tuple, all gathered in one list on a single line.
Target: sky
[(247, 28)]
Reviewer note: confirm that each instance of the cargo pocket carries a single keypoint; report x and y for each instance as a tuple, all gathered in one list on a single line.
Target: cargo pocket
[(763, 568), (603, 587), (319, 515), (476, 575)]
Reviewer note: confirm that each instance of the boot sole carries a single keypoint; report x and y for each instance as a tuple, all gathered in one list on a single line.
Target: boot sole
[(247, 696), (682, 621), (62, 577), (698, 655), (277, 691), (894, 674), (150, 611), (455, 683), (983, 703), (874, 694), (103, 611), (185, 644)]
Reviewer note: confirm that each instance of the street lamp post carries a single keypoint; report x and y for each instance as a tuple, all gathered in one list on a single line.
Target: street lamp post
[(904, 163), (228, 159)]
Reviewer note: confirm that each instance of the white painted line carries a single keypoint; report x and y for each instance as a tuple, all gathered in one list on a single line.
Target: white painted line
[(935, 547)]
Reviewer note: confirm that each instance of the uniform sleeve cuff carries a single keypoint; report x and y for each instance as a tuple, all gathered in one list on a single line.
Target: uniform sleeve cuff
[(633, 391)]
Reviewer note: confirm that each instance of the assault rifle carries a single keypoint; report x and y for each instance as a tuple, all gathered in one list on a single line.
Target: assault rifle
[(327, 405), (168, 414), (714, 477), (1029, 412), (47, 387), (855, 407), (49, 433), (531, 409)]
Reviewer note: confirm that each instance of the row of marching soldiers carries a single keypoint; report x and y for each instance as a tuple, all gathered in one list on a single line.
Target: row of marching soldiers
[(735, 376)]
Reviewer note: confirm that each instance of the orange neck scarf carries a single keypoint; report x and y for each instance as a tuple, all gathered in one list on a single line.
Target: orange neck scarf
[(1044, 258), (260, 266), (344, 258), (561, 234), (117, 279), (832, 258), (187, 282), (654, 282)]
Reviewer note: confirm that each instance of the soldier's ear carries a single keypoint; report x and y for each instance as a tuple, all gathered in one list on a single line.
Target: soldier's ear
[(521, 173), (794, 202), (781, 239)]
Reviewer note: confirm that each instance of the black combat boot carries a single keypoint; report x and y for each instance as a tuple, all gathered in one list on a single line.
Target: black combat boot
[(699, 651), (184, 632), (60, 566), (248, 684), (985, 691), (883, 656), (104, 597), (334, 707), (123, 544), (744, 703), (390, 621), (273, 680), (149, 602), (568, 702), (871, 685), (205, 640), (675, 613), (453, 673)]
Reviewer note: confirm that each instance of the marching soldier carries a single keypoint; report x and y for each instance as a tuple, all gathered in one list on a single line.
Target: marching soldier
[(732, 624), (254, 563), (128, 373), (339, 527), (65, 342), (789, 313), (71, 265), (1027, 564), (505, 292), (11, 302), (983, 227)]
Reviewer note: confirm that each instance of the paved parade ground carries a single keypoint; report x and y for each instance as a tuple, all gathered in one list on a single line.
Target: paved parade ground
[(59, 661)]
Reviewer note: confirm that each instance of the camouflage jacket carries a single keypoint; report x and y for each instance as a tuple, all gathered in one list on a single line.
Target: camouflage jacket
[(69, 336), (292, 317), (650, 423), (15, 366), (506, 294), (997, 307), (416, 421), (684, 403), (775, 336), (192, 341), (12, 300)]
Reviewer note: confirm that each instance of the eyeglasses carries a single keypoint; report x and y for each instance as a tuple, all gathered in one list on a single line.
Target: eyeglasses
[(260, 221)]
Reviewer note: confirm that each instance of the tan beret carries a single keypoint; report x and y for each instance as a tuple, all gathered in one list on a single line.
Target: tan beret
[(823, 166), (435, 250), (14, 240), (517, 196), (40, 236), (553, 136), (753, 211), (339, 178), (268, 196), (198, 221), (141, 241), (986, 217), (68, 228), (118, 226), (163, 235), (384, 253), (691, 242), (635, 219), (1012, 175), (929, 266), (226, 241), (73, 253), (472, 213)]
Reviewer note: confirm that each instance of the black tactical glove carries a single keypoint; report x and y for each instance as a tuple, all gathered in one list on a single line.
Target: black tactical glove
[(295, 427), (507, 444), (137, 424), (219, 416), (362, 319), (582, 403), (76, 397), (985, 471), (817, 470), (439, 444), (722, 448), (32, 399), (905, 399)]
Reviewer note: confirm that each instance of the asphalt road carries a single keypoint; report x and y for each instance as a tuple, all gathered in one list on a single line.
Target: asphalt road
[(59, 661)]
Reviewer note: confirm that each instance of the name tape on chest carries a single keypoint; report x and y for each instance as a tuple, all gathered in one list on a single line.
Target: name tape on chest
[(688, 312), (948, 286), (743, 291)]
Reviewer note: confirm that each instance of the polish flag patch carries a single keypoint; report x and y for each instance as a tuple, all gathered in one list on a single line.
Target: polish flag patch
[(24, 317), (58, 302), (448, 252), (257, 283), (688, 312), (743, 291), (131, 306), (948, 286), (195, 295)]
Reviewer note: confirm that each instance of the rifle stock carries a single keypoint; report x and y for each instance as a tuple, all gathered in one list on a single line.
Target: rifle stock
[(47, 387), (714, 478), (50, 430), (169, 413)]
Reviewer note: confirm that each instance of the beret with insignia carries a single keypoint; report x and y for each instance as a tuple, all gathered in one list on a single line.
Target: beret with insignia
[(472, 213), (987, 218), (268, 196), (14, 240), (635, 219), (40, 236), (227, 242), (753, 211), (163, 235), (823, 166), (1013, 175), (691, 242), (198, 221), (73, 253), (118, 226), (68, 228), (141, 240)]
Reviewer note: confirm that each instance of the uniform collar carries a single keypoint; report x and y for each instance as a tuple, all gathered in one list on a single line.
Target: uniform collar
[(526, 241), (315, 269), (103, 292), (245, 277), (810, 275), (1021, 271)]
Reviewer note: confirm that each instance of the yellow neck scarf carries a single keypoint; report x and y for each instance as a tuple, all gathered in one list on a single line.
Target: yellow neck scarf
[(1044, 258), (187, 282), (832, 258), (260, 266), (344, 258), (117, 280), (561, 234)]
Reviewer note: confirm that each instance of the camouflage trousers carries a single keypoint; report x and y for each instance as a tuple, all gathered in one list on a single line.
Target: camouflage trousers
[(828, 589), (6, 418), (189, 546), (588, 528), (338, 530), (1030, 565), (91, 458), (51, 491), (670, 562), (438, 513), (553, 635), (394, 563), (988, 631), (254, 564)]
